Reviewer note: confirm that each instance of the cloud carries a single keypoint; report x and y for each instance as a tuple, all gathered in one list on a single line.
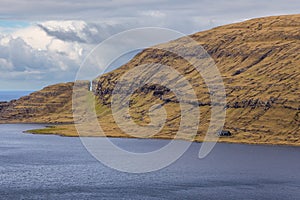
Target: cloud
[(43, 42), (32, 53), (50, 51), (153, 13), (108, 9)]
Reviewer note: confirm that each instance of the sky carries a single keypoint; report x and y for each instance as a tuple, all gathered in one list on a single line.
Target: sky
[(44, 42)]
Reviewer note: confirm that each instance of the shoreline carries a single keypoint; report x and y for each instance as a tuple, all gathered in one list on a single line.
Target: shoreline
[(55, 128), (228, 140)]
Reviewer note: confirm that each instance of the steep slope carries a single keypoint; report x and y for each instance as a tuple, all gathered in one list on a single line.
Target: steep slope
[(259, 62)]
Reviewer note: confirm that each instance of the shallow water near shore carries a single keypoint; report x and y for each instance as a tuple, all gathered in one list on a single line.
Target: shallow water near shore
[(54, 167)]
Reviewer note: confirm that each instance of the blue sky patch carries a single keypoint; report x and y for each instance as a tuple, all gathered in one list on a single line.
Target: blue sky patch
[(14, 24)]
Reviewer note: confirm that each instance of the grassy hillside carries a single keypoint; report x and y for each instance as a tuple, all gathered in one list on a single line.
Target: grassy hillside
[(53, 104), (259, 61)]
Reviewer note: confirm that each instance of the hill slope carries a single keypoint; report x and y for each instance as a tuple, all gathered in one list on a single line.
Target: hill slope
[(259, 61), (51, 104)]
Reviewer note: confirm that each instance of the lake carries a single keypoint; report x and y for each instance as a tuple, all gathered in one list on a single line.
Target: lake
[(54, 167)]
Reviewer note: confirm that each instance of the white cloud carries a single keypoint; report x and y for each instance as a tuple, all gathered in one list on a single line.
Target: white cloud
[(34, 36), (32, 53), (52, 49), (49, 51)]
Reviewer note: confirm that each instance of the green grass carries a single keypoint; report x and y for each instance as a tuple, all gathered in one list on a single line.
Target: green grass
[(47, 130)]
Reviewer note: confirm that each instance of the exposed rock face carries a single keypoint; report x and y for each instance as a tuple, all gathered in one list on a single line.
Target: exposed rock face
[(4, 105)]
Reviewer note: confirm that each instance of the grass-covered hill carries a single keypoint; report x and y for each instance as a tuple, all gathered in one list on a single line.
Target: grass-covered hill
[(258, 59)]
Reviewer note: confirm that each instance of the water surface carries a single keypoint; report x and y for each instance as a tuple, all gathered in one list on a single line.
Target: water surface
[(54, 167)]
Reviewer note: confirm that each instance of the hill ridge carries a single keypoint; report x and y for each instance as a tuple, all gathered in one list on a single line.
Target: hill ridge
[(259, 63)]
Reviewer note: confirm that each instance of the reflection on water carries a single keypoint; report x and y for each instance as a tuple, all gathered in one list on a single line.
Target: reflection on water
[(53, 167)]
